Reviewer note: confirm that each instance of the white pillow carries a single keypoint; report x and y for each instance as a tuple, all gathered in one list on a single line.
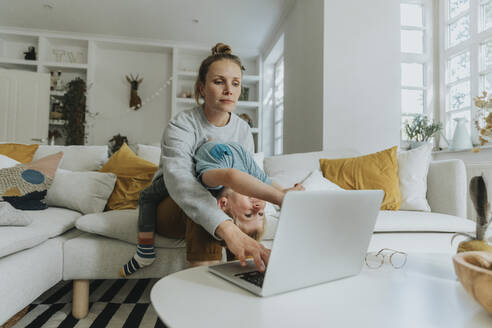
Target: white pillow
[(316, 181), (9, 216), (76, 158), (6, 162), (413, 166), (85, 192), (286, 170), (149, 153)]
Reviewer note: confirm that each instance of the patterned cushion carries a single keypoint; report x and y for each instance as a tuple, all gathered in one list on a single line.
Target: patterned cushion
[(25, 185)]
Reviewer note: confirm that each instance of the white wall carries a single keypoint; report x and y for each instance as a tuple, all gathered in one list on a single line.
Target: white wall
[(112, 95), (361, 74), (303, 82)]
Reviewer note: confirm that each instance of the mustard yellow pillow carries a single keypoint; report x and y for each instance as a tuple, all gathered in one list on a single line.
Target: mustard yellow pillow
[(20, 152), (373, 171), (133, 175)]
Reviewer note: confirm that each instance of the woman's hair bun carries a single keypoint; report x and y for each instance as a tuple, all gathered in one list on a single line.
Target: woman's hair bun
[(221, 48)]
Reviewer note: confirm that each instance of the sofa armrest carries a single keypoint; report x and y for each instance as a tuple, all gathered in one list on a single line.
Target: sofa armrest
[(447, 187)]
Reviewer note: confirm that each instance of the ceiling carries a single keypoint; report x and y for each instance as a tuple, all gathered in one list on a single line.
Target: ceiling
[(244, 24)]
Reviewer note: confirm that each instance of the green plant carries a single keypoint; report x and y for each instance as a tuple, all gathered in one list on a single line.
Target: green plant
[(74, 112), (421, 129)]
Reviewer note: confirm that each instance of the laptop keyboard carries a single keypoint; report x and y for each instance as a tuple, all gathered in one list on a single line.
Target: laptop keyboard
[(254, 277)]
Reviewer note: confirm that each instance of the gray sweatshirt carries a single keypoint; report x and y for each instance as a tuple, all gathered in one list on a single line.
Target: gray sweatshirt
[(184, 134)]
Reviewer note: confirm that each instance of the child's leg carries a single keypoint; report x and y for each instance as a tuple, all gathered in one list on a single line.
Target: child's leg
[(144, 256), (148, 200)]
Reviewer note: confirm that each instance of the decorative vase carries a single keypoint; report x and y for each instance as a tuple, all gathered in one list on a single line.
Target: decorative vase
[(461, 137), (417, 144)]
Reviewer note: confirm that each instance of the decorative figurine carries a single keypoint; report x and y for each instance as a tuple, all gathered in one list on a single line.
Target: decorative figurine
[(30, 54), (59, 83), (135, 101)]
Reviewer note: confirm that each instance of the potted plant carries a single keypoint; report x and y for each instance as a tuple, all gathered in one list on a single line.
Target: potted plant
[(420, 130), (74, 110)]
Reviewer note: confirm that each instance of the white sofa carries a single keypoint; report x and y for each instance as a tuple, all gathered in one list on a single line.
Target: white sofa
[(34, 258)]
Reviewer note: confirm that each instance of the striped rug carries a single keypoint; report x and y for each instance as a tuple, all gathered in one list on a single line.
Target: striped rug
[(112, 303)]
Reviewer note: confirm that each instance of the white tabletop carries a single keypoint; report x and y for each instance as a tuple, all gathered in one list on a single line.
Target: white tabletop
[(425, 293)]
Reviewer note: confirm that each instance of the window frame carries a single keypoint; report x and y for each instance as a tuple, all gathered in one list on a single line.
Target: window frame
[(426, 59), (473, 45), (275, 104)]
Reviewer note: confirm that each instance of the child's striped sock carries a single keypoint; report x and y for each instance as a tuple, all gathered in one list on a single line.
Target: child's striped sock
[(145, 256)]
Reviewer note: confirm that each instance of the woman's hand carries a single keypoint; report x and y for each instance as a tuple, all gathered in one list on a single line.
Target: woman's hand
[(241, 245), (297, 186)]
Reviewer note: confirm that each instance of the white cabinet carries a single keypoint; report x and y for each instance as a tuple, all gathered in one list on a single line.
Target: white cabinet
[(24, 106)]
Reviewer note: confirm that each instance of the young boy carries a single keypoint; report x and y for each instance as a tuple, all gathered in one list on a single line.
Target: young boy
[(239, 184)]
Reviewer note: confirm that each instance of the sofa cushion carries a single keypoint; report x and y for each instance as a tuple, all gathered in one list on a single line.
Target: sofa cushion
[(25, 185), (374, 171), (45, 224), (76, 158), (408, 221), (286, 170), (9, 216), (133, 175), (149, 153), (121, 225), (19, 152), (84, 192), (399, 222), (316, 181), (413, 166)]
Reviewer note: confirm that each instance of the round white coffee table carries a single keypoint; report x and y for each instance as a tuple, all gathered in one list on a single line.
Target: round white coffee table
[(425, 293)]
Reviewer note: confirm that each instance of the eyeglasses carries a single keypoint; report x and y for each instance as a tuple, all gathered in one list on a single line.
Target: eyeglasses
[(397, 259)]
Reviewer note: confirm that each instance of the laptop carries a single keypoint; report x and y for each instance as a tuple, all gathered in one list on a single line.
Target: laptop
[(321, 236)]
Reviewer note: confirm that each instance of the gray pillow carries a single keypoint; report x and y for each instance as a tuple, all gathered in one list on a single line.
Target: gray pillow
[(9, 216), (84, 192)]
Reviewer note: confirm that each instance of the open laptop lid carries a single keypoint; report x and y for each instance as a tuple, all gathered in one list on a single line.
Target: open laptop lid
[(321, 236)]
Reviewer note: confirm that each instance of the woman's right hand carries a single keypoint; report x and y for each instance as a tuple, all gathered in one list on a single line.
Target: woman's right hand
[(241, 245), (297, 186)]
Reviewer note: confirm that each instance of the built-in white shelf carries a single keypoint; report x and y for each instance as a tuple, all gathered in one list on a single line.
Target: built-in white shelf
[(243, 104), (57, 122), (248, 104), (193, 75), (185, 100), (255, 130), (57, 65), (4, 60), (57, 93)]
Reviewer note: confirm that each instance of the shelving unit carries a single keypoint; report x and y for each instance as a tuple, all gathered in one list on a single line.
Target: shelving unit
[(53, 54), (103, 62)]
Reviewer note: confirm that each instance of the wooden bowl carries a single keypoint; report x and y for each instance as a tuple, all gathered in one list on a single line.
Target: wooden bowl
[(474, 269)]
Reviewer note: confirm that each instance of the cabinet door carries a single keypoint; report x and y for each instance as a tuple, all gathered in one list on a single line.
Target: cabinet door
[(24, 106)]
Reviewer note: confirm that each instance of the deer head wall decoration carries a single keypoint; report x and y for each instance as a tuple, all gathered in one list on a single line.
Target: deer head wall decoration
[(135, 101)]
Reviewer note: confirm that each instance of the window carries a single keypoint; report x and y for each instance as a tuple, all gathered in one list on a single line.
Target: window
[(466, 58), (278, 106), (416, 60)]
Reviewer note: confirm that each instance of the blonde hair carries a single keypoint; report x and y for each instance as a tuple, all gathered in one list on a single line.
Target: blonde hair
[(219, 52), (257, 234)]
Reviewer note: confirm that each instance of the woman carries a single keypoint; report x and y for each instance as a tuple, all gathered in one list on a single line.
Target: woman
[(185, 204)]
